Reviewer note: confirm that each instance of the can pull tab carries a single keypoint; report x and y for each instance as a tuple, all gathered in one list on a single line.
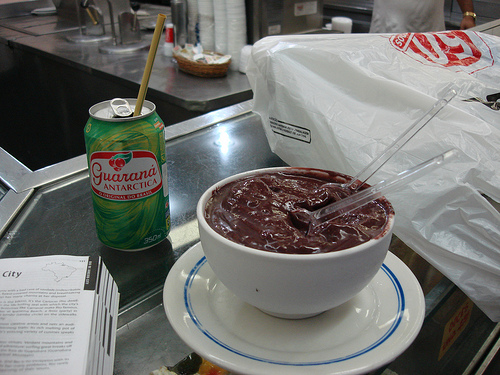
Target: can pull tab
[(120, 108)]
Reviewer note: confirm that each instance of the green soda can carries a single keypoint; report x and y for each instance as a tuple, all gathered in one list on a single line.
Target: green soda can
[(128, 174)]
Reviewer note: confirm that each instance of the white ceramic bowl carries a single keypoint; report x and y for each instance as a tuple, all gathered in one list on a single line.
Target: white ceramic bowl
[(290, 285)]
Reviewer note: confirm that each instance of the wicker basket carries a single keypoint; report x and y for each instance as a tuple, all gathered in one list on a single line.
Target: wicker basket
[(202, 69)]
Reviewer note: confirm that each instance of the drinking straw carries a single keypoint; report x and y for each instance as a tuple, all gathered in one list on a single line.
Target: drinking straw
[(149, 63)]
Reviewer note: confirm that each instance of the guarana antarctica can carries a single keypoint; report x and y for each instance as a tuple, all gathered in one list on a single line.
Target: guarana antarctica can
[(128, 174)]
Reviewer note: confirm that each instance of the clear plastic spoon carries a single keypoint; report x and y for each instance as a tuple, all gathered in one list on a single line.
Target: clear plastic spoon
[(361, 198), (408, 134)]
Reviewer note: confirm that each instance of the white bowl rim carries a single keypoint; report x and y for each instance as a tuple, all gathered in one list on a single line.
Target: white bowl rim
[(200, 209)]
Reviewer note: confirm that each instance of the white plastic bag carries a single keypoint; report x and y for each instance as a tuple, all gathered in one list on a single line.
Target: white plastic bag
[(336, 101)]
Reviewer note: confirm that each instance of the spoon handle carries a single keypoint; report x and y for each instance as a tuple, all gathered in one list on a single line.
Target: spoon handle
[(380, 160), (376, 191)]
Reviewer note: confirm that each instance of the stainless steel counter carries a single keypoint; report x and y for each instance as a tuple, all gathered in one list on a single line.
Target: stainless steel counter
[(53, 82), (46, 36), (49, 211), (167, 83)]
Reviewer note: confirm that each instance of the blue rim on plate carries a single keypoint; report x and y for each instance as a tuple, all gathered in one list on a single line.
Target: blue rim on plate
[(189, 308), (209, 318)]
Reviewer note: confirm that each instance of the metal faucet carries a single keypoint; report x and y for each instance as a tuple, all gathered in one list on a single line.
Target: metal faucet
[(112, 18)]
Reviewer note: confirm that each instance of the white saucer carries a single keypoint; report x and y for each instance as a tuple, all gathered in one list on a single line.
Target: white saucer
[(359, 336)]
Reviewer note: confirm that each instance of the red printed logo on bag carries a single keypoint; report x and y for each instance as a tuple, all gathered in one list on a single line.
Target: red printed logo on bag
[(457, 50)]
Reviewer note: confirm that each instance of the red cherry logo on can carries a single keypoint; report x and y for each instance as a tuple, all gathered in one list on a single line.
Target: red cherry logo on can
[(118, 161)]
